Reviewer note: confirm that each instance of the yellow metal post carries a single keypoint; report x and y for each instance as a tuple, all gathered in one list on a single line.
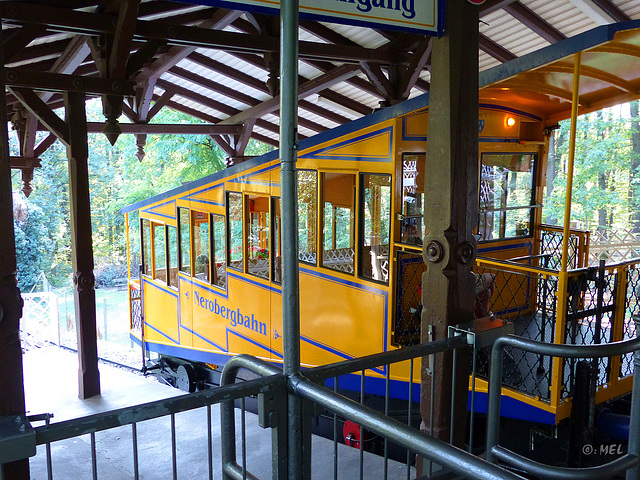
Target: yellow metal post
[(572, 150), (563, 277)]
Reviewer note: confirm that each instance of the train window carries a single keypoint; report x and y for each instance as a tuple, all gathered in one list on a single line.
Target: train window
[(412, 227), (375, 218), (258, 236), (234, 231), (172, 240), (219, 265), (506, 195), (146, 247), (307, 215), (159, 253), (338, 233), (276, 269), (184, 232), (201, 238), (133, 244)]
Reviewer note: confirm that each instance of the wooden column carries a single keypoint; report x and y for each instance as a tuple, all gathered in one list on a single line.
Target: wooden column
[(11, 379), (82, 246), (451, 200)]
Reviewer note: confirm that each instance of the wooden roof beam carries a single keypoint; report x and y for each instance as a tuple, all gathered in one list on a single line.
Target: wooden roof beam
[(496, 51), (170, 129), (253, 82), (22, 163), (215, 105), (592, 10), (534, 22), (44, 145), (18, 40), (612, 10), (209, 118), (491, 6), (148, 77), (55, 82), (315, 85), (97, 23), (421, 57), (45, 51), (377, 77), (43, 113)]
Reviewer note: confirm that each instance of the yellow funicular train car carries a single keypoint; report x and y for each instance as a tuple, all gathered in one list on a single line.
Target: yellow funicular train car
[(210, 285)]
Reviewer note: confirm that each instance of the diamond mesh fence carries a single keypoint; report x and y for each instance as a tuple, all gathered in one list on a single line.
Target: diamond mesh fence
[(136, 309), (632, 304), (526, 299), (408, 298), (551, 245), (590, 314)]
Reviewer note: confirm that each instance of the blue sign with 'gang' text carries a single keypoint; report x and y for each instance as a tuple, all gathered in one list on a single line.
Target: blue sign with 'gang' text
[(421, 16)]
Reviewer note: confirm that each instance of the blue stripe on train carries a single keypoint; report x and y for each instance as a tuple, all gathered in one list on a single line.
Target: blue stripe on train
[(373, 386)]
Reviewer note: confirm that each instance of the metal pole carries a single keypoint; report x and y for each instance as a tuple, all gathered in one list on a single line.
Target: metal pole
[(572, 151), (290, 280), (633, 448), (104, 318)]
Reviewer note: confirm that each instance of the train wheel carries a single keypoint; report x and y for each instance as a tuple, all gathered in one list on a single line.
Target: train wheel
[(186, 378)]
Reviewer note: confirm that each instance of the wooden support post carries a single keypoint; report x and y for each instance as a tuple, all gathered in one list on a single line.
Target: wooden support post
[(82, 246), (11, 379), (451, 199)]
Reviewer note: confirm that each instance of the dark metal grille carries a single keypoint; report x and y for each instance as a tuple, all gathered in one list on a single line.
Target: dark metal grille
[(527, 300), (136, 308), (632, 304), (408, 298), (590, 313), (551, 244)]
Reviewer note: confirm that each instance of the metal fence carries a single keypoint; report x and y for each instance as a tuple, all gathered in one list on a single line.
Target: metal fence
[(627, 463), (384, 434), (329, 395), (590, 306)]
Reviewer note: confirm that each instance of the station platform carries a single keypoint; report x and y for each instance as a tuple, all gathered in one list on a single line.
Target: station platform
[(51, 386)]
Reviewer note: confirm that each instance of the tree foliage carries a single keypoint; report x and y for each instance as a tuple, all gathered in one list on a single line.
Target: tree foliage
[(605, 183), (117, 179)]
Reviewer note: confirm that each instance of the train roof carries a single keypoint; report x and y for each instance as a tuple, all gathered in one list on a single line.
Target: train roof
[(540, 81)]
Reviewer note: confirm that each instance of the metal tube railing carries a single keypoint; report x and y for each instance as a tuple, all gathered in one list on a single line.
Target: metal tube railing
[(496, 452), (147, 411), (442, 453), (455, 459), (273, 387)]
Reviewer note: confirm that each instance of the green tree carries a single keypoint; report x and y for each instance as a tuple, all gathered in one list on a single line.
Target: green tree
[(601, 172)]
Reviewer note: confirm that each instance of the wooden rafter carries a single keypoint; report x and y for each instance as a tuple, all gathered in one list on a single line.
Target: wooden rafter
[(42, 112), (19, 39), (419, 60), (148, 76), (171, 129), (97, 23), (310, 87), (536, 23), (612, 10), (24, 163), (492, 48)]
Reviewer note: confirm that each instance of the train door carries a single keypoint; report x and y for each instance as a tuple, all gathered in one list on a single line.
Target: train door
[(185, 286), (275, 340), (408, 252)]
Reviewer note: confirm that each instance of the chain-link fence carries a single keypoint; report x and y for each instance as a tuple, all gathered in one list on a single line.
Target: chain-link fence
[(525, 297)]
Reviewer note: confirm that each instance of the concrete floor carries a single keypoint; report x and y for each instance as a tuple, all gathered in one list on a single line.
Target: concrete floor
[(51, 387)]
